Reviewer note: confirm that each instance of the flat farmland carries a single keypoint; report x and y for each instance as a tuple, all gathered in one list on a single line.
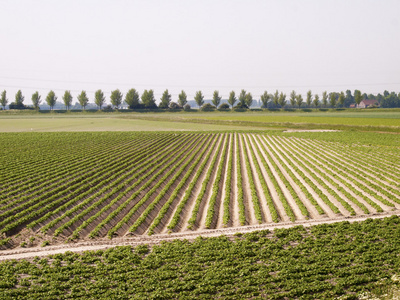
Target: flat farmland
[(93, 185), (101, 122)]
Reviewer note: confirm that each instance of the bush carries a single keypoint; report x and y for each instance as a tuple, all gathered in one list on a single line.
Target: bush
[(324, 109), (174, 105), (224, 106), (207, 107), (162, 105), (137, 106), (307, 109), (13, 105), (186, 107), (108, 108), (241, 106)]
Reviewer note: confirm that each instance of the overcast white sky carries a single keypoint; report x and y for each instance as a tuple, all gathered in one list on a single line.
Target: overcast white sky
[(199, 45)]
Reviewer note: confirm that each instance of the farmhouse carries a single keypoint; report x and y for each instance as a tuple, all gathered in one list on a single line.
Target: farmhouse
[(368, 103)]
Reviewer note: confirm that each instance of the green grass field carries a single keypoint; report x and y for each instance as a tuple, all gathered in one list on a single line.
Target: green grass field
[(369, 118), (101, 123), (372, 120)]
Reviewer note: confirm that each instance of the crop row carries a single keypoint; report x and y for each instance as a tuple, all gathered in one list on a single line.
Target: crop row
[(154, 183)]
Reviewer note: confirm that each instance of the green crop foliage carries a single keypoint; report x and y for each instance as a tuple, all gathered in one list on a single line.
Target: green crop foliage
[(328, 261)]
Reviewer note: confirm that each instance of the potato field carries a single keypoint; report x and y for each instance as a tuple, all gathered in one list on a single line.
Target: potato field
[(108, 184)]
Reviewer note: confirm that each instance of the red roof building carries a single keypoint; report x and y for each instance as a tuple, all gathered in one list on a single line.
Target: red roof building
[(368, 103)]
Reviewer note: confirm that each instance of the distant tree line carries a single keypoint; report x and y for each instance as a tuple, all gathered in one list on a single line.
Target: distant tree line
[(244, 100)]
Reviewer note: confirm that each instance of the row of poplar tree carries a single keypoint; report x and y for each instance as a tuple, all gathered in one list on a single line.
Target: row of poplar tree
[(148, 101)]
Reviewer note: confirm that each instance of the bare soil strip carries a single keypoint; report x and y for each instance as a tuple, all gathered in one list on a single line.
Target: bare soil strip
[(234, 208), (249, 209), (163, 226), (361, 158), (296, 210), (321, 203), (174, 168), (262, 199), (186, 213), (206, 201), (274, 195), (311, 209), (292, 151), (220, 216), (351, 179), (307, 157), (24, 253), (340, 158)]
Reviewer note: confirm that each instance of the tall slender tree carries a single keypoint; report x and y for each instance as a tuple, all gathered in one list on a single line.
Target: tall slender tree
[(325, 99), (242, 97), (3, 99), (275, 98), (36, 100), (165, 99), (341, 99), (83, 99), (309, 98), (358, 96), (265, 97), (292, 98), (148, 99), (282, 100), (182, 99), (99, 98), (332, 99), (132, 98), (316, 101), (116, 98), (299, 100), (67, 98), (216, 100), (232, 98), (19, 99), (249, 99), (199, 98), (51, 99), (349, 99)]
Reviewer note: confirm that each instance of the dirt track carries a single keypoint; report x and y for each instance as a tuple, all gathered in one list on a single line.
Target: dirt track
[(156, 239)]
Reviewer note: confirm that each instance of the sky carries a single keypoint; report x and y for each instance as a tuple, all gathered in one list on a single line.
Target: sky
[(207, 45)]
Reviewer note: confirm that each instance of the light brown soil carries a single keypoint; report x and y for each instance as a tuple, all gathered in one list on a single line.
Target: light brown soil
[(235, 222), (187, 213), (274, 195), (311, 160), (202, 214), (296, 210), (293, 150), (223, 191), (250, 215), (351, 180), (262, 199), (338, 157), (321, 203), (311, 130), (310, 208)]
